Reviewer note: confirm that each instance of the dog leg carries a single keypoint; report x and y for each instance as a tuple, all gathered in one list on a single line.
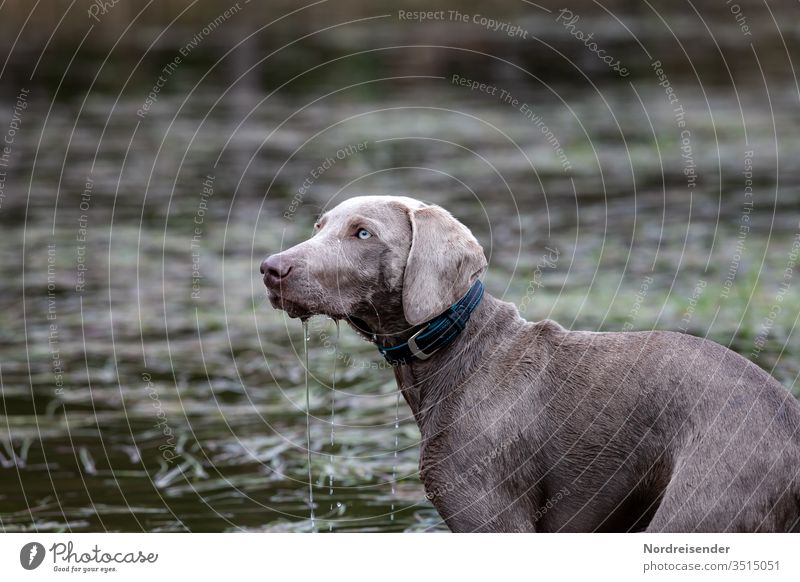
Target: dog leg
[(470, 509), (698, 500)]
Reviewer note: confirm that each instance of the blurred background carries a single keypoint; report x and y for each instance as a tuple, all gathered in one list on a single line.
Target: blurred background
[(626, 165)]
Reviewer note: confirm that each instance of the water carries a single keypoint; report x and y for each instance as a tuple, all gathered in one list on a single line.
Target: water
[(308, 426), (225, 372), (333, 421), (396, 447)]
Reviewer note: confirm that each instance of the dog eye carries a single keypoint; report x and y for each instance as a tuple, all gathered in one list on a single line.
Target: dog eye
[(363, 233)]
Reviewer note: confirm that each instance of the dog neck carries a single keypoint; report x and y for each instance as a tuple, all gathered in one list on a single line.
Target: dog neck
[(386, 326), (428, 385)]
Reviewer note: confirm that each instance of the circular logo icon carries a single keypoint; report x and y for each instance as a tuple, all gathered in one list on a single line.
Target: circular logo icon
[(31, 555)]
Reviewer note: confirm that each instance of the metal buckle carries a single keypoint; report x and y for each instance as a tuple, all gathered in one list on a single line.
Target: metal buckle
[(415, 349)]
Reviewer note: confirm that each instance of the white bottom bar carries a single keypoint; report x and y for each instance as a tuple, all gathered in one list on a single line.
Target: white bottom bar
[(403, 557)]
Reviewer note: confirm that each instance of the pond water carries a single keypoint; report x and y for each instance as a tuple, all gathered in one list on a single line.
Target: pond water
[(148, 385)]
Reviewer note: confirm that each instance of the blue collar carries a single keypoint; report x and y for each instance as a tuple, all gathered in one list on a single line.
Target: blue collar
[(438, 332)]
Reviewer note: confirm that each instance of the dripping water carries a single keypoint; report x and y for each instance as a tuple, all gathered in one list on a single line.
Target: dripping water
[(333, 418), (396, 446), (308, 427)]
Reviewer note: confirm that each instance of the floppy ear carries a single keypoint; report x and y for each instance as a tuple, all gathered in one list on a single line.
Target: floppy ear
[(443, 263)]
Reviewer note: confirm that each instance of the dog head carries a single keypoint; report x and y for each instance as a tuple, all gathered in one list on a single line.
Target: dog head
[(390, 261)]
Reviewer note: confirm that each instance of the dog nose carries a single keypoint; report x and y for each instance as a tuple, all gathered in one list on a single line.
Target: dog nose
[(275, 268)]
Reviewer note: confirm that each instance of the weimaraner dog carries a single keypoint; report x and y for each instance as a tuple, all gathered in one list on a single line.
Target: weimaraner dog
[(528, 426)]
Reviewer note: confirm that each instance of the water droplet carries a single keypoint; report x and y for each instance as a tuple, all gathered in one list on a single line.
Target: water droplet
[(396, 446), (333, 419), (308, 427)]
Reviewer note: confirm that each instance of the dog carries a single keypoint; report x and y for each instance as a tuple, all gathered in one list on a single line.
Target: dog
[(528, 426)]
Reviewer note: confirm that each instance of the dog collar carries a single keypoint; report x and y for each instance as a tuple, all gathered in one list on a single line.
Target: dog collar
[(438, 332)]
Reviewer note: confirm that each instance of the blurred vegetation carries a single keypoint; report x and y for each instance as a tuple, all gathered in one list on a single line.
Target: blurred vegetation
[(225, 369)]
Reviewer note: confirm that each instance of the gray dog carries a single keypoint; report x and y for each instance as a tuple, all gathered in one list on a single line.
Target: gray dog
[(529, 426)]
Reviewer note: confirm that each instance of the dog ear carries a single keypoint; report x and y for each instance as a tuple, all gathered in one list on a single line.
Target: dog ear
[(444, 261)]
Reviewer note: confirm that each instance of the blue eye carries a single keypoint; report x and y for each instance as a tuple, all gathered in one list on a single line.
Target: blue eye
[(363, 234)]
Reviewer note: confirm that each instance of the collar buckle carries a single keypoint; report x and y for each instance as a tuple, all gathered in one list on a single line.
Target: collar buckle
[(416, 351)]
